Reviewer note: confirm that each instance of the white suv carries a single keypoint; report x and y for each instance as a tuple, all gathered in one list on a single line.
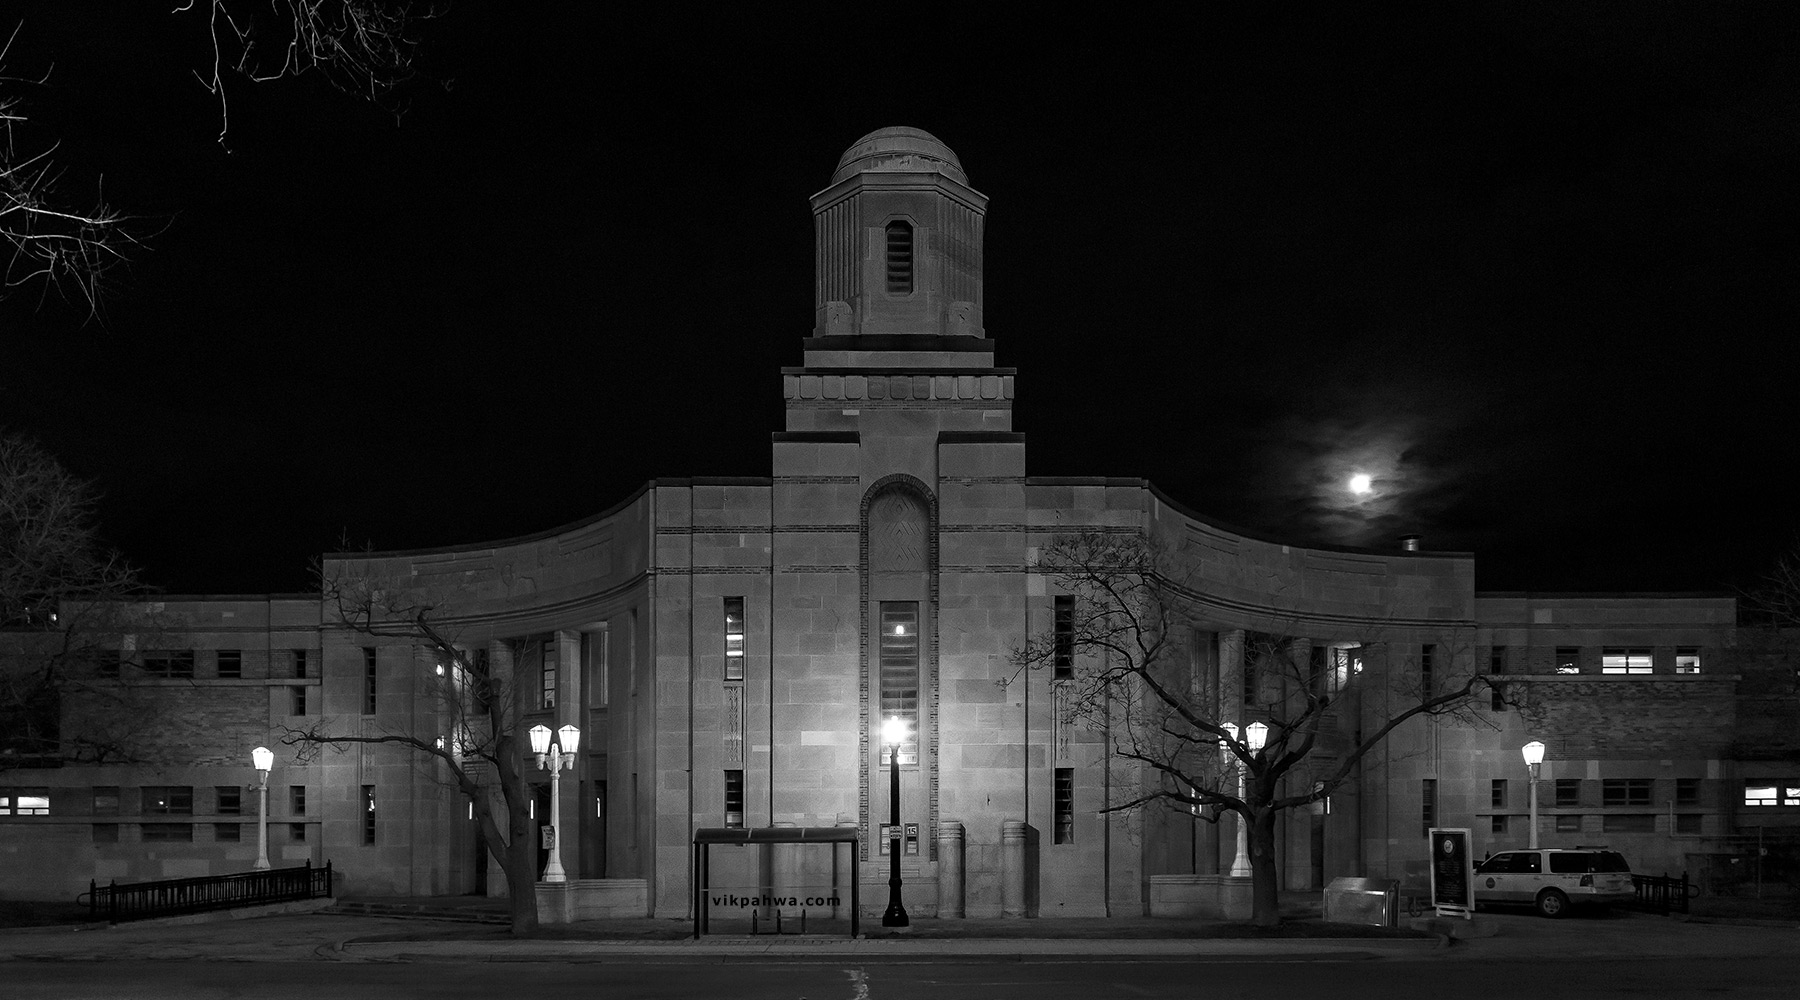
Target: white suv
[(1552, 880)]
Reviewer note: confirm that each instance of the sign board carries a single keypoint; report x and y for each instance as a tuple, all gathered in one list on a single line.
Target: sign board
[(1452, 873)]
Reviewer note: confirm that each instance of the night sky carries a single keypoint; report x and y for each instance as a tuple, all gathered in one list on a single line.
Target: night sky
[(1534, 269)]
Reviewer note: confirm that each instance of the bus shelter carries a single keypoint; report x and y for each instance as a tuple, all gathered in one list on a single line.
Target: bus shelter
[(705, 838)]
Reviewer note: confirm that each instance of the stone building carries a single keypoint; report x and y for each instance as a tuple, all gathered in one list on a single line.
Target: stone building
[(729, 646)]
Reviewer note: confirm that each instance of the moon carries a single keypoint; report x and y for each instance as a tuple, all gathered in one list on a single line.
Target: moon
[(1361, 483)]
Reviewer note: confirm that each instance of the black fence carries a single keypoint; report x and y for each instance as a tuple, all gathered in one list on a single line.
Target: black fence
[(1663, 893), (170, 897)]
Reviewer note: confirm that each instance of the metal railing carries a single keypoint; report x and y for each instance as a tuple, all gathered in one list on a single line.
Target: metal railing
[(1663, 893), (170, 897)]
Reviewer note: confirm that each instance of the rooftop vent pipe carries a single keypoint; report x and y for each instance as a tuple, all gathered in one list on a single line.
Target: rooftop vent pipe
[(1409, 543)]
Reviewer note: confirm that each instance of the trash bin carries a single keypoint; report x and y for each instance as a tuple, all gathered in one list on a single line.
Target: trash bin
[(1363, 901)]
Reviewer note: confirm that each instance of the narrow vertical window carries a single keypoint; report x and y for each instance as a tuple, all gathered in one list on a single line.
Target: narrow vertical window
[(1428, 806), (1427, 682), (734, 638), (1497, 797), (593, 664), (547, 677), (899, 258), (734, 799), (899, 670), (1496, 667), (299, 663), (368, 814), (297, 799), (1064, 655), (1065, 805), (297, 695), (231, 663), (368, 680)]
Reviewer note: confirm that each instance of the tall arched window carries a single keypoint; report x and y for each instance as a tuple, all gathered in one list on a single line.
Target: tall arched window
[(899, 258)]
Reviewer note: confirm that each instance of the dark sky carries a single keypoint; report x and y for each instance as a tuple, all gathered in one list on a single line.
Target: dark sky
[(1534, 268)]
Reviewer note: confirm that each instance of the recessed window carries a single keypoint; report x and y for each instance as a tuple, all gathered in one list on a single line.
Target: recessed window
[(1427, 678), (169, 800), (231, 663), (1625, 792), (226, 833), (1568, 659), (297, 700), (1687, 791), (24, 801), (106, 800), (734, 799), (1568, 824), (1065, 805), (299, 663), (899, 258), (297, 833), (106, 833), (1687, 660), (1497, 794), (230, 799), (1428, 805), (176, 663), (1063, 666), (1763, 793), (297, 799), (166, 832), (1497, 824), (734, 638), (1568, 792), (1619, 660)]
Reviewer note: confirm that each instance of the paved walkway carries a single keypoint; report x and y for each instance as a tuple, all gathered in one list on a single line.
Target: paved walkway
[(340, 937)]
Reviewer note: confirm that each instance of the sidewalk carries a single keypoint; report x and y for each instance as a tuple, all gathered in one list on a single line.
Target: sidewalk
[(340, 936)]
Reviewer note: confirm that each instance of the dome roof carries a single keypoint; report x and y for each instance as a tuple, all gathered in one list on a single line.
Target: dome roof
[(899, 148)]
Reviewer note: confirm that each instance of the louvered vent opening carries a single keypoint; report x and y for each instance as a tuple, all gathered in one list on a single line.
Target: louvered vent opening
[(899, 258)]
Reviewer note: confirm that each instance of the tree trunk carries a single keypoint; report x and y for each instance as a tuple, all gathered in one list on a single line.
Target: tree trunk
[(1265, 903), (520, 864)]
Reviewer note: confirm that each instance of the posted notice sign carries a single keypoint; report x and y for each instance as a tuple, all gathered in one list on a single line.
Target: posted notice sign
[(1452, 874)]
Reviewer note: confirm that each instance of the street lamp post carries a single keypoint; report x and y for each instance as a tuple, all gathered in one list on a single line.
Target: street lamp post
[(263, 758), (1534, 759), (1255, 735), (893, 733), (555, 758)]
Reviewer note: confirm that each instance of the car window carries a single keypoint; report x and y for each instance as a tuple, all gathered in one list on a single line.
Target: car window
[(1509, 863), (1583, 862), (1497, 863)]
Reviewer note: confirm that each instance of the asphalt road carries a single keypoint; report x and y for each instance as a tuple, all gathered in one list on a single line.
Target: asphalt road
[(127, 980)]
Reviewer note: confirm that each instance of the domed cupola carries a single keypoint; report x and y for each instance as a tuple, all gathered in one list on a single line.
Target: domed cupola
[(898, 237)]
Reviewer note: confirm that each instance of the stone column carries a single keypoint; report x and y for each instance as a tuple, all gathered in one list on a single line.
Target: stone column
[(950, 869), (1012, 868)]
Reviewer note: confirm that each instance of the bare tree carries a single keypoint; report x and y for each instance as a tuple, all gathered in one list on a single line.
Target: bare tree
[(1126, 648), (72, 614), (55, 244), (363, 47), (473, 744)]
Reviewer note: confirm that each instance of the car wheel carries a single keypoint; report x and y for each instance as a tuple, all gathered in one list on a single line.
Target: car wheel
[(1551, 903)]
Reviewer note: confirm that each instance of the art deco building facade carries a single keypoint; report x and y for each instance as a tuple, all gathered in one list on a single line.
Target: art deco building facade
[(728, 647)]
